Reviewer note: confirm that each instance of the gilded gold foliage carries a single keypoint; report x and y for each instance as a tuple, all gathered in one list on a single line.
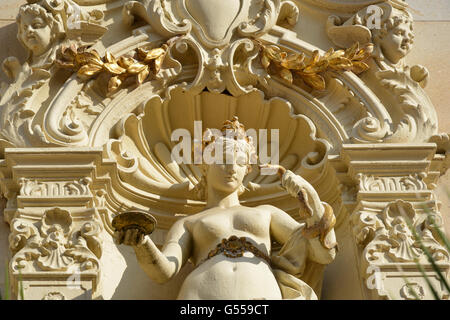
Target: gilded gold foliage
[(88, 64), (295, 68)]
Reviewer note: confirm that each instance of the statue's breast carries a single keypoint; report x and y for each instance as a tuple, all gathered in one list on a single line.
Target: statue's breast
[(212, 227), (242, 221), (252, 221)]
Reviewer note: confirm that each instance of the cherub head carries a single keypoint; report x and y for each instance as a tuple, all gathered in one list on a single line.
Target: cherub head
[(40, 26), (227, 158), (389, 27), (395, 38)]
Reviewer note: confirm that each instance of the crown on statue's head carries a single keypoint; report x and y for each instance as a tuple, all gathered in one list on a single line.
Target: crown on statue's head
[(232, 137)]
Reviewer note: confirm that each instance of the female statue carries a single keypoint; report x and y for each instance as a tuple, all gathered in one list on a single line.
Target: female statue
[(230, 244)]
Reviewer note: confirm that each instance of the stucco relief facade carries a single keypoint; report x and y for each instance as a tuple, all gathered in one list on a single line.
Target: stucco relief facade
[(96, 87)]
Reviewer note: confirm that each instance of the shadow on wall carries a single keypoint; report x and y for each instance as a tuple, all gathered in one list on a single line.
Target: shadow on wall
[(132, 282), (4, 246), (10, 46), (4, 254)]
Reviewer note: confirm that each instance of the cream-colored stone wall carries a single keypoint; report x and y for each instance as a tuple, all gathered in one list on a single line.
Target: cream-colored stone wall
[(432, 49)]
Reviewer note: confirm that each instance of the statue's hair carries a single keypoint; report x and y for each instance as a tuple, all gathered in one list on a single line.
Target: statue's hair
[(35, 9), (395, 18)]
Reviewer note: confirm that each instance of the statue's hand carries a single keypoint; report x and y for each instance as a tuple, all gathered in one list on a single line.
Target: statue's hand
[(130, 237), (294, 184), (272, 169)]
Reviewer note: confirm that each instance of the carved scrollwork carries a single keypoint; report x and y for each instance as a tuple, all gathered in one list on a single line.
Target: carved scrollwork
[(223, 48), (83, 101), (248, 18), (392, 184), (369, 129), (288, 16), (217, 69), (55, 244), (420, 119), (157, 15), (387, 236), (412, 291), (442, 142), (32, 188)]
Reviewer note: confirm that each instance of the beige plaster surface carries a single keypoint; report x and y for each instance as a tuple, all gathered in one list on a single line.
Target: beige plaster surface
[(9, 9), (430, 10), (348, 286), (123, 278), (432, 49)]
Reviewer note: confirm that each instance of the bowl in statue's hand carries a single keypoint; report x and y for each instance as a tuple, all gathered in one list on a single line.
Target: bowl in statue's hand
[(134, 219)]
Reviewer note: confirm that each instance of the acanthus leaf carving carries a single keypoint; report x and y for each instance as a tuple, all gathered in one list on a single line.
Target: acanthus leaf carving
[(155, 13), (420, 119), (289, 13)]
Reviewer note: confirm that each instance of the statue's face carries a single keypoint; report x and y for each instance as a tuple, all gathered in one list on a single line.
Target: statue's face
[(35, 33), (398, 42), (228, 177)]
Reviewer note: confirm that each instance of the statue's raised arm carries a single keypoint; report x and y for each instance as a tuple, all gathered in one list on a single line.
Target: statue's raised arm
[(307, 247), (318, 215)]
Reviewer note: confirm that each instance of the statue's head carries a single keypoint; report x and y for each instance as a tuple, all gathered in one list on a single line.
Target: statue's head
[(395, 38), (40, 25), (227, 157)]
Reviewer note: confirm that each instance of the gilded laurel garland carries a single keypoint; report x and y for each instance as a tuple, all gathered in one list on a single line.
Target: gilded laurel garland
[(309, 72), (89, 63), (293, 67)]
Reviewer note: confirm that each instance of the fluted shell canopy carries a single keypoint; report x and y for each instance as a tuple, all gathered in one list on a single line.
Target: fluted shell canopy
[(143, 147)]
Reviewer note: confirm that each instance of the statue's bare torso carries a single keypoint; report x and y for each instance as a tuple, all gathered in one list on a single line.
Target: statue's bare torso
[(222, 277)]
